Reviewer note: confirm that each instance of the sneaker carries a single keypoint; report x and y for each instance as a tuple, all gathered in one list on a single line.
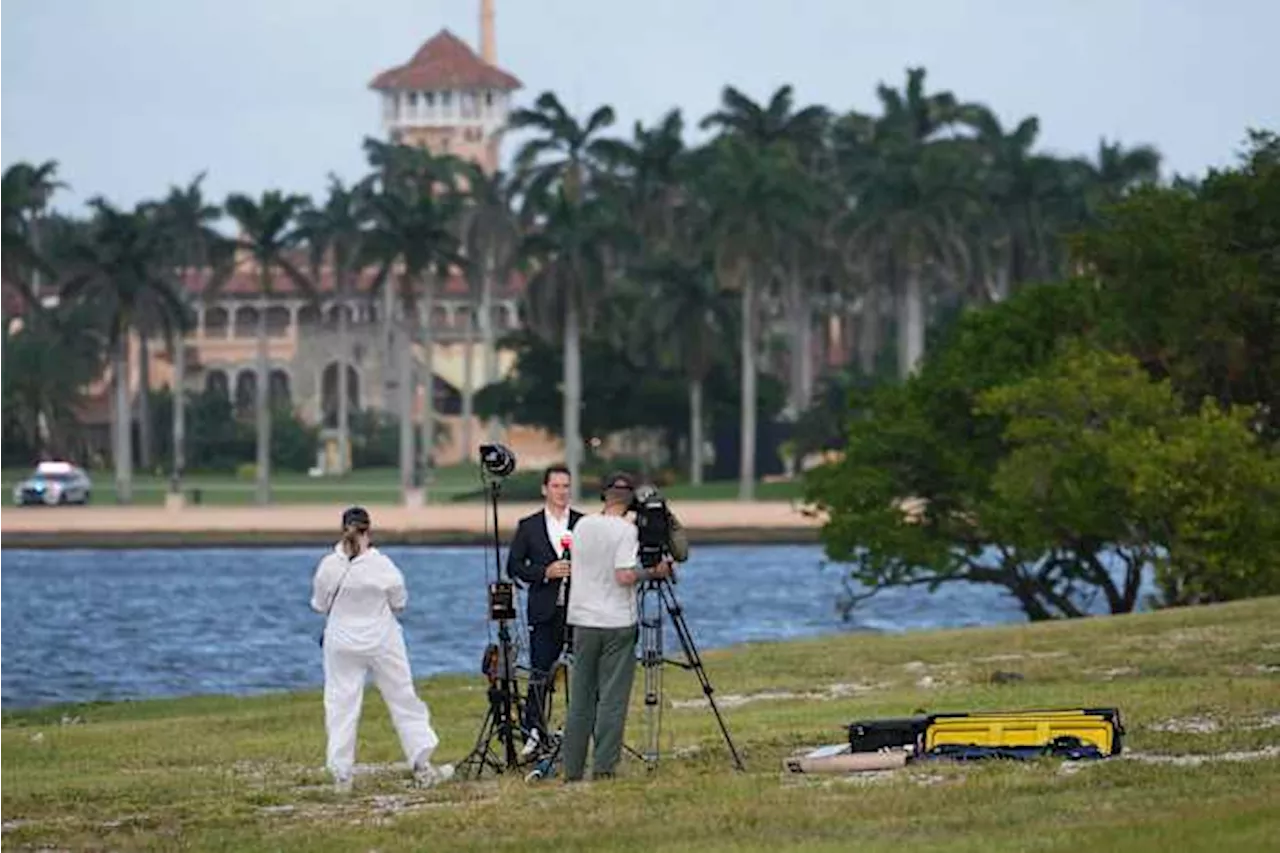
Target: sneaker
[(531, 744), (342, 784), (428, 774)]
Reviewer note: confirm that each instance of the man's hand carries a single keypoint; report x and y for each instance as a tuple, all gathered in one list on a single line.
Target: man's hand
[(558, 569), (663, 569)]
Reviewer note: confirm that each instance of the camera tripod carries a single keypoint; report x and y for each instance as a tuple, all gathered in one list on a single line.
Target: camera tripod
[(656, 596), (501, 721)]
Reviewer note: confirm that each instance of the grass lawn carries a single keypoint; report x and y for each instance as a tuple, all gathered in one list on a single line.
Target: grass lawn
[(1199, 690), (369, 485)]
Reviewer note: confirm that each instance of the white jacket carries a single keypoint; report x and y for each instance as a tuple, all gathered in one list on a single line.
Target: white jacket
[(361, 597)]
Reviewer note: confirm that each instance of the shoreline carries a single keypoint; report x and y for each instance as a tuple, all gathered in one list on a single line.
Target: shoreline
[(114, 528), (175, 540)]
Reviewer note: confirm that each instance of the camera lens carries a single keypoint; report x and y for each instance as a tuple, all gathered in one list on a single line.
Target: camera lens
[(497, 460)]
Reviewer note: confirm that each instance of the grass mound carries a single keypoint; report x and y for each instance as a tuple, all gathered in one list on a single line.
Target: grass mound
[(1199, 690)]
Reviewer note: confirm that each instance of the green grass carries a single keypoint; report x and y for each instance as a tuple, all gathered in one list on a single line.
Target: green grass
[(215, 773), (370, 485)]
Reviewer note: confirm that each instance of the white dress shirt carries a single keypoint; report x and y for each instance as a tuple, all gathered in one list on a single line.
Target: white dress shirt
[(557, 529)]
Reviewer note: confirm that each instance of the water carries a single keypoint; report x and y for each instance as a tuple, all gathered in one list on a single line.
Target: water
[(98, 625)]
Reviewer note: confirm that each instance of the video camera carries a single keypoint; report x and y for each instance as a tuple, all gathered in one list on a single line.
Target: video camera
[(653, 520)]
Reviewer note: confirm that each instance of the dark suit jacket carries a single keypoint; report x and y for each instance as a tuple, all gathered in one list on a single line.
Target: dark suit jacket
[(530, 553)]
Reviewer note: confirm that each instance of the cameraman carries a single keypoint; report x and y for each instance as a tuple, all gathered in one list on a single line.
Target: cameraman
[(537, 557), (602, 611)]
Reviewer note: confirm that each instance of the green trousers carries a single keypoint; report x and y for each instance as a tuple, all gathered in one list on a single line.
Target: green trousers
[(604, 665)]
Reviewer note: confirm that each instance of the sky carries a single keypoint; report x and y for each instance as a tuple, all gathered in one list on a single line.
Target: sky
[(132, 96)]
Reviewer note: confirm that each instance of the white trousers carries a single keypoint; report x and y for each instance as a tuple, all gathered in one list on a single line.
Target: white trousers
[(344, 678)]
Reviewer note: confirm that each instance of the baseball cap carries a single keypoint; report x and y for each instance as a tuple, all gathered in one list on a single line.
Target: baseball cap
[(357, 515)]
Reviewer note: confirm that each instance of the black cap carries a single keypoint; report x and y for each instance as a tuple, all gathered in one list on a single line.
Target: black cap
[(357, 515)]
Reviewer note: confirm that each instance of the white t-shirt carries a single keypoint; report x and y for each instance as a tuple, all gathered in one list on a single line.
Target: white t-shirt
[(602, 544), (361, 598)]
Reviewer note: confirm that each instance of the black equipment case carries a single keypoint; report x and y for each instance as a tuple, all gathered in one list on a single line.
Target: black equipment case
[(895, 733)]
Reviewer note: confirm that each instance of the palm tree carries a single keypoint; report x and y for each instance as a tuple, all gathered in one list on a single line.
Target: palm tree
[(902, 171), (120, 270), (267, 235), (691, 317), (760, 186), (413, 236), (338, 233), (773, 123), (753, 195), (27, 190), (648, 175), (188, 223), (1116, 170), (556, 169), (490, 236), (50, 360)]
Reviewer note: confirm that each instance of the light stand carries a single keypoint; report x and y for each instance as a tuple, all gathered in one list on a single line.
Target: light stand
[(499, 665), (656, 596)]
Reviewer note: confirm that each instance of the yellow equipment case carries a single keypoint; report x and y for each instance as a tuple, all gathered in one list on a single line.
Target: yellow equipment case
[(1099, 727)]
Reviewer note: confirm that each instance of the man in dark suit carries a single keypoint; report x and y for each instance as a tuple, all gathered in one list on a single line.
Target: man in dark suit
[(536, 557)]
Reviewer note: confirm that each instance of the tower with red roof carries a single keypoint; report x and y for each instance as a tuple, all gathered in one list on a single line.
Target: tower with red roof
[(447, 98)]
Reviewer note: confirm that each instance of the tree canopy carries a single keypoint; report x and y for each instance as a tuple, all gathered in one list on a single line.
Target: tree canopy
[(1078, 434)]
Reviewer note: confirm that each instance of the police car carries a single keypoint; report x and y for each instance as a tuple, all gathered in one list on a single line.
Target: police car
[(54, 483)]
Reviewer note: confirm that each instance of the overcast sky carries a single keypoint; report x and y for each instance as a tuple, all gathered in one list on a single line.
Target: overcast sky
[(133, 95)]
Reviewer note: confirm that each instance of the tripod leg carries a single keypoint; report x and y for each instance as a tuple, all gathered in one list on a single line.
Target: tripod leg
[(481, 755), (651, 658), (695, 663)]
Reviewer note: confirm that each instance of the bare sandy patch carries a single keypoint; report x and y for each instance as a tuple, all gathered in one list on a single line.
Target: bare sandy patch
[(826, 694)]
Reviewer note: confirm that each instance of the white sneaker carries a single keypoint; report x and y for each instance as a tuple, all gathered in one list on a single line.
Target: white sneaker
[(342, 784), (531, 744), (428, 774)]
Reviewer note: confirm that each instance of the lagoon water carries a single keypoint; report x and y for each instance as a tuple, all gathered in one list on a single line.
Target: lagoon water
[(90, 625)]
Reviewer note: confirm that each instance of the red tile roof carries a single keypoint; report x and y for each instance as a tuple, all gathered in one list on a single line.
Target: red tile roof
[(445, 62), (244, 282)]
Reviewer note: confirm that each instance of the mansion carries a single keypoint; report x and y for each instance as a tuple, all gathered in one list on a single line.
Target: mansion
[(449, 99), (445, 98)]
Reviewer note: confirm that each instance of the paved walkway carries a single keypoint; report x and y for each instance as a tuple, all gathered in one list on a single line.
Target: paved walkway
[(471, 518)]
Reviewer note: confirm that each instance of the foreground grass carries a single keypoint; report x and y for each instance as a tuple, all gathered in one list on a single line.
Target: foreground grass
[(244, 774), (369, 485)]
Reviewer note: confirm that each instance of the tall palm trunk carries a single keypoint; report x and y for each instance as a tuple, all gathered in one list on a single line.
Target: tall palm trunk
[(489, 344), (695, 431), (179, 412), (795, 393), (123, 418), (389, 369), (344, 402), (468, 383), (747, 457), (263, 410), (869, 331), (144, 403), (800, 315), (911, 322), (402, 344), (573, 396), (425, 323)]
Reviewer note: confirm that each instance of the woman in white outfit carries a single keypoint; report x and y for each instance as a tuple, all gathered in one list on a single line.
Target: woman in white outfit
[(361, 591)]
